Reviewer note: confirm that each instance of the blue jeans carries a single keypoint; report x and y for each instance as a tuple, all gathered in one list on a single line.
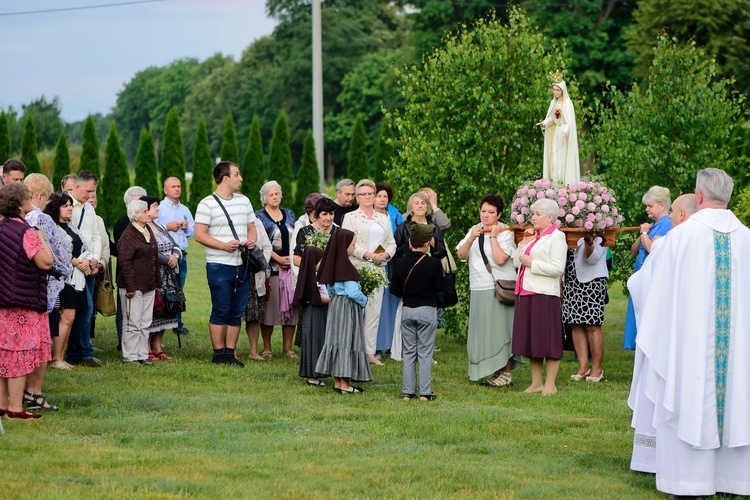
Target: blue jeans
[(182, 278), (79, 343), (228, 293)]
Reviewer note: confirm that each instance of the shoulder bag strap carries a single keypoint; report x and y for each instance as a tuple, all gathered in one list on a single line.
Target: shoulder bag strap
[(412, 269), (83, 211), (484, 255), (231, 226)]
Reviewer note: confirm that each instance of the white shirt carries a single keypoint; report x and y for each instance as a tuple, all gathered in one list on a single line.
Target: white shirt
[(84, 218), (479, 278), (210, 214)]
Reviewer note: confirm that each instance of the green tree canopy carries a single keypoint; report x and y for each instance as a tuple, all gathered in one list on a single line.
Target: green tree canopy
[(229, 149), (720, 27), (116, 179), (308, 177), (47, 121), (202, 183), (280, 161), (90, 149), (6, 149), (358, 166), (62, 161), (29, 150), (663, 131), (383, 153), (173, 152), (481, 95), (253, 165), (146, 172)]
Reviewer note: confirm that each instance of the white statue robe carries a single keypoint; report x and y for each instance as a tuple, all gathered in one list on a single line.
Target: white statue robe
[(561, 161), (677, 337)]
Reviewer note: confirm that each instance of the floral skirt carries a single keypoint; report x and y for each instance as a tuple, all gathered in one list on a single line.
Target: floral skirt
[(24, 341)]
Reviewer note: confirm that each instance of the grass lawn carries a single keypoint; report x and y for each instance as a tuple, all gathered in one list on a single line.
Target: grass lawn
[(189, 428)]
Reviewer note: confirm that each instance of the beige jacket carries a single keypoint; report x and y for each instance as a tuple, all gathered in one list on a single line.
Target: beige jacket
[(547, 265), (359, 224)]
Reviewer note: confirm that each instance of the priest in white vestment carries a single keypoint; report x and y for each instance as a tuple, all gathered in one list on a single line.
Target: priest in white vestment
[(643, 388), (694, 331)]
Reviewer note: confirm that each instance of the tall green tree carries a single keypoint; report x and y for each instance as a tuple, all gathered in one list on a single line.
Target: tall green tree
[(479, 94), (202, 183), (358, 166), (116, 178), (90, 149), (664, 130), (6, 149), (308, 177), (146, 172), (29, 150), (47, 121), (280, 160), (229, 149), (173, 152), (62, 160), (720, 27), (254, 165), (383, 153)]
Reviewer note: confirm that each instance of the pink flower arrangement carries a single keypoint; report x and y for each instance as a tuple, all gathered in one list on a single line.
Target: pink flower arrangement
[(586, 204)]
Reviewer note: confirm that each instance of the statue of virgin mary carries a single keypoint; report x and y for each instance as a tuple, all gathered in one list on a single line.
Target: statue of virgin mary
[(561, 161)]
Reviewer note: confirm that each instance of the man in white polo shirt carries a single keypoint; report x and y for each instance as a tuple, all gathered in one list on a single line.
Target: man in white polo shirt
[(228, 280)]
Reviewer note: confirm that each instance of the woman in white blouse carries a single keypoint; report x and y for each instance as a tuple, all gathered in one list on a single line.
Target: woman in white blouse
[(490, 322), (373, 240)]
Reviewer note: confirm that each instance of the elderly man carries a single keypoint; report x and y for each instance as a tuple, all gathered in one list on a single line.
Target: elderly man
[(344, 200), (694, 332), (80, 351), (13, 171), (178, 220), (643, 458)]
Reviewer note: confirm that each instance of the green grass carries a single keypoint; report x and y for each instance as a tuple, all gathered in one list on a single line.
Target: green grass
[(189, 428)]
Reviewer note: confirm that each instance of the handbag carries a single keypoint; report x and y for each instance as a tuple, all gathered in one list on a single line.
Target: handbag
[(448, 297), (105, 299), (252, 260), (171, 301), (505, 290)]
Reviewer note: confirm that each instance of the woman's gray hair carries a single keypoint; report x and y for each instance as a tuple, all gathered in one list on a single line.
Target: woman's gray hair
[(135, 208), (265, 188), (133, 193), (658, 194), (423, 197), (547, 207)]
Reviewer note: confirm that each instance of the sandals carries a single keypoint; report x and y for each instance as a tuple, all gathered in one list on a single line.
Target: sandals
[(162, 357), (577, 378), (316, 383), (267, 354), (37, 402), (351, 390), (255, 357), (290, 354), (504, 379), (408, 397)]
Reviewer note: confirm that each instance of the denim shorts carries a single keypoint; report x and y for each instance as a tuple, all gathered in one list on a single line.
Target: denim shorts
[(228, 293)]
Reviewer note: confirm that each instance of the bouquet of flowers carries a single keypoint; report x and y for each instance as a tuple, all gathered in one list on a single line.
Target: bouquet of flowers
[(587, 204), (317, 239), (372, 277)]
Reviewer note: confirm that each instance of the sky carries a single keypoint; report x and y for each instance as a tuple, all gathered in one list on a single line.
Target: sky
[(86, 56)]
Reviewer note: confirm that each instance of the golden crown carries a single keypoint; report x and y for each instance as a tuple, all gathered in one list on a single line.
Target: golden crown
[(555, 76)]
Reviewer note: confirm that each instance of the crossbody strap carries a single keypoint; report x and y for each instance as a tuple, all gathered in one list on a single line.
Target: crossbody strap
[(412, 269), (229, 219), (484, 255)]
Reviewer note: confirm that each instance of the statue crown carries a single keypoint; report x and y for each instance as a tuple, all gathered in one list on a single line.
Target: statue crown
[(555, 76)]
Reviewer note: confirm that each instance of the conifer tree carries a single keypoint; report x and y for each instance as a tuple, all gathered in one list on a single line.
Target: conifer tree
[(383, 153), (357, 168), (29, 149), (202, 183), (173, 154), (146, 174), (62, 161), (6, 149), (253, 165), (116, 178), (308, 178), (229, 149), (90, 149), (280, 160)]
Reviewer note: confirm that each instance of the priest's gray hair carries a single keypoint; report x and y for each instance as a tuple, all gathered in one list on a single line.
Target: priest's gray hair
[(265, 188), (547, 207), (133, 193), (715, 184), (135, 208), (658, 194)]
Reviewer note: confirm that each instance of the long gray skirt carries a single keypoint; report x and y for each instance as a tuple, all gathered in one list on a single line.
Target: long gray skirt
[(489, 341), (344, 354)]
